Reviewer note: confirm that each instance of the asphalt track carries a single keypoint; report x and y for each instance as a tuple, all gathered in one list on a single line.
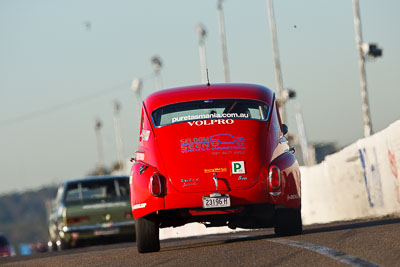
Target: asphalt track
[(358, 243)]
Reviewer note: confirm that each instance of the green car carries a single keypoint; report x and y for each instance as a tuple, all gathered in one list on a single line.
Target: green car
[(91, 208)]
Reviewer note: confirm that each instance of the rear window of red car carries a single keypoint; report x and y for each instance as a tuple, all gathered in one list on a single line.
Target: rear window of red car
[(210, 109)]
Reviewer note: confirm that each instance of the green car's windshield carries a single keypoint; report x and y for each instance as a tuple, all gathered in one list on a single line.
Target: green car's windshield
[(88, 191), (210, 109)]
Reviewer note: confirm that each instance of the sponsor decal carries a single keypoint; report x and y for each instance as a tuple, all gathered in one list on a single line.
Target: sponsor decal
[(293, 197), (209, 116), (142, 169), (190, 181), (139, 206), (215, 170), (210, 122), (395, 172), (104, 205), (372, 177), (190, 184), (237, 167), (217, 142), (145, 135), (227, 152), (139, 156)]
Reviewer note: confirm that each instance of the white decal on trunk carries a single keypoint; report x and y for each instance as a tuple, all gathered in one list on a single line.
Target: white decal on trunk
[(210, 122), (139, 206), (238, 167)]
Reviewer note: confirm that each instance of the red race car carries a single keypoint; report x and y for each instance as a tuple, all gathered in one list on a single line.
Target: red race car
[(214, 154)]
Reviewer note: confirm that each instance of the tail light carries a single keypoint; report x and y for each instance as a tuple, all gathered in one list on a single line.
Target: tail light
[(274, 177), (155, 185), (5, 251), (77, 219)]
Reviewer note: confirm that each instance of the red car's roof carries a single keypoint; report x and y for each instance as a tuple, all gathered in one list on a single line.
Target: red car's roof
[(214, 91)]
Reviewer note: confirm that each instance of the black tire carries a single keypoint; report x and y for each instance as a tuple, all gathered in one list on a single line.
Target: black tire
[(62, 245), (288, 222), (147, 235), (52, 245)]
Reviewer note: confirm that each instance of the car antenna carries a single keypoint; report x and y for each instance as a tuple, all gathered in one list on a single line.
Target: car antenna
[(208, 78)]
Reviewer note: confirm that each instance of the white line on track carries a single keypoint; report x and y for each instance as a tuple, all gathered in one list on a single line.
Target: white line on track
[(329, 252)]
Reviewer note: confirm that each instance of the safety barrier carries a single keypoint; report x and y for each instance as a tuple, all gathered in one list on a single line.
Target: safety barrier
[(360, 181)]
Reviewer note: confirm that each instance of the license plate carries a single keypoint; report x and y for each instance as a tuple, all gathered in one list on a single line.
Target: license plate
[(107, 232), (216, 202)]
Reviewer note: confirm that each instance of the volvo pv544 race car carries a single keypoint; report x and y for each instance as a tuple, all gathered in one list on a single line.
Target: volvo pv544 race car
[(214, 154), (90, 208)]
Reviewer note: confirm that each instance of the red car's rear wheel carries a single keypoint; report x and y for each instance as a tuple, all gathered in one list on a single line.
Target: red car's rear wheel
[(147, 235), (288, 222)]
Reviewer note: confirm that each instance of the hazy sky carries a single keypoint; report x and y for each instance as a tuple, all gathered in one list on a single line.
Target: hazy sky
[(57, 74)]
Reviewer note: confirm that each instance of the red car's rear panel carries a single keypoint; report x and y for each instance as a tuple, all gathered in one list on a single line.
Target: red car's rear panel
[(195, 155), (194, 158)]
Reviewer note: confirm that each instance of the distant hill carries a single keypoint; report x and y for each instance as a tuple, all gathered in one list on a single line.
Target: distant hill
[(23, 216)]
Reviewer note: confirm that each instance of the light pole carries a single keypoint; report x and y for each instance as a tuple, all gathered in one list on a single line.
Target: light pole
[(363, 78), (118, 135), (136, 87), (223, 41), (277, 64), (97, 128), (201, 30), (364, 50), (157, 64)]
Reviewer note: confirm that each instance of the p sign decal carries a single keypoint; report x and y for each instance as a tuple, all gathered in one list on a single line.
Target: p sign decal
[(238, 167)]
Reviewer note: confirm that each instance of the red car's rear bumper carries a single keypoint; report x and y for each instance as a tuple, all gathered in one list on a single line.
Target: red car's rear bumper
[(256, 194)]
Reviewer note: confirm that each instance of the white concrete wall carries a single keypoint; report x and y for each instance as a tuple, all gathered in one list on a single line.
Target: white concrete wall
[(360, 181), (193, 229)]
